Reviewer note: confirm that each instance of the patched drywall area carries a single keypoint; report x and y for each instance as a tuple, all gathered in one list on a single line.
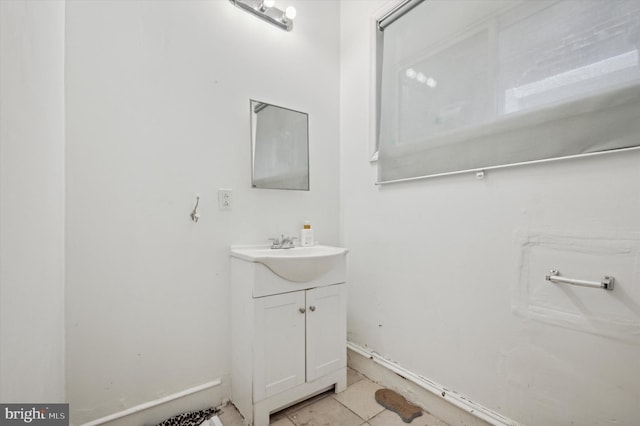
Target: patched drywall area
[(590, 256)]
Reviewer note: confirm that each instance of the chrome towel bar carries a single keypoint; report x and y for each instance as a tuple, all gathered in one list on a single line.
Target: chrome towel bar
[(606, 283)]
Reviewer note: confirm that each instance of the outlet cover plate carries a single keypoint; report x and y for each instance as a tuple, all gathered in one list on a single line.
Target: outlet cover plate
[(225, 199)]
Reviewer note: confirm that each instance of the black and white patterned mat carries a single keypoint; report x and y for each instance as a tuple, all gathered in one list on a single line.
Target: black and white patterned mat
[(192, 418)]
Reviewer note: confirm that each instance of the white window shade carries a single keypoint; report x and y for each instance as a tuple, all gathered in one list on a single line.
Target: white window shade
[(469, 85)]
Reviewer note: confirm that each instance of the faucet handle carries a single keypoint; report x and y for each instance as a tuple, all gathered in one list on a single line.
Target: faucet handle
[(276, 241), (282, 242), (287, 242)]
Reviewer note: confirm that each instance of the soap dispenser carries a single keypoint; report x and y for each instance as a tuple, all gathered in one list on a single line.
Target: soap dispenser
[(306, 235)]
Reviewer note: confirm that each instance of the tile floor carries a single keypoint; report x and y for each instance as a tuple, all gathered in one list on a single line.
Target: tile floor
[(356, 406)]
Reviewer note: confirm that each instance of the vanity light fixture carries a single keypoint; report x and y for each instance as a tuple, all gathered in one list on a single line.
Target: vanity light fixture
[(266, 10)]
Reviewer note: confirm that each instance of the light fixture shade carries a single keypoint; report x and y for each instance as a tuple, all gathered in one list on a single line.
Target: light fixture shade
[(290, 12), (269, 3)]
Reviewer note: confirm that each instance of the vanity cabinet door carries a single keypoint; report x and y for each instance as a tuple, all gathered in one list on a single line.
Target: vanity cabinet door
[(279, 345), (326, 330)]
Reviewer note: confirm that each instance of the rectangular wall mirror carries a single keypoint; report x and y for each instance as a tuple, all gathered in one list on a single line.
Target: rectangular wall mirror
[(279, 147)]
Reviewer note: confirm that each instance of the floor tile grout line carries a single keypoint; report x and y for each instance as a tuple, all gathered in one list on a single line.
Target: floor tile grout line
[(289, 412), (330, 396), (303, 404), (363, 419), (313, 400)]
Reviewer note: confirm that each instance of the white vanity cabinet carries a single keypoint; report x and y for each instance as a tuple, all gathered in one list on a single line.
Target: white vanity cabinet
[(288, 338), (299, 337)]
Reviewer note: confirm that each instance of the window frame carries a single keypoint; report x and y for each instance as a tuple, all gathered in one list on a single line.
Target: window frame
[(391, 10)]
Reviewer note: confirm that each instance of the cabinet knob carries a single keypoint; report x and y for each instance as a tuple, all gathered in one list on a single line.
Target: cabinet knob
[(313, 308), (302, 310)]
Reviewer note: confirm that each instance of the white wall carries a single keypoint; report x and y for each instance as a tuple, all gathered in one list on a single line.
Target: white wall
[(32, 201), (441, 271), (157, 112)]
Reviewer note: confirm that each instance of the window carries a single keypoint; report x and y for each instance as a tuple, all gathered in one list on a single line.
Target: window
[(475, 84)]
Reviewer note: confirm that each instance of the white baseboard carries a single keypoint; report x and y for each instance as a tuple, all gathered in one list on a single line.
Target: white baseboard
[(434, 398), (199, 397)]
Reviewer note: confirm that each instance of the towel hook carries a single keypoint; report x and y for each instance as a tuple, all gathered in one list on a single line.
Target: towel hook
[(194, 213)]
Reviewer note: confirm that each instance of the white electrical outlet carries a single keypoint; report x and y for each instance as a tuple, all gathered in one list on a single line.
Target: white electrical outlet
[(225, 197)]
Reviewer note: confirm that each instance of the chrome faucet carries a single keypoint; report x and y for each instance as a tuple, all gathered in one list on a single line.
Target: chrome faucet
[(282, 242)]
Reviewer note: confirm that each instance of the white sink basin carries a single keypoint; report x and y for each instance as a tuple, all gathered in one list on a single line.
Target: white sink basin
[(298, 264)]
